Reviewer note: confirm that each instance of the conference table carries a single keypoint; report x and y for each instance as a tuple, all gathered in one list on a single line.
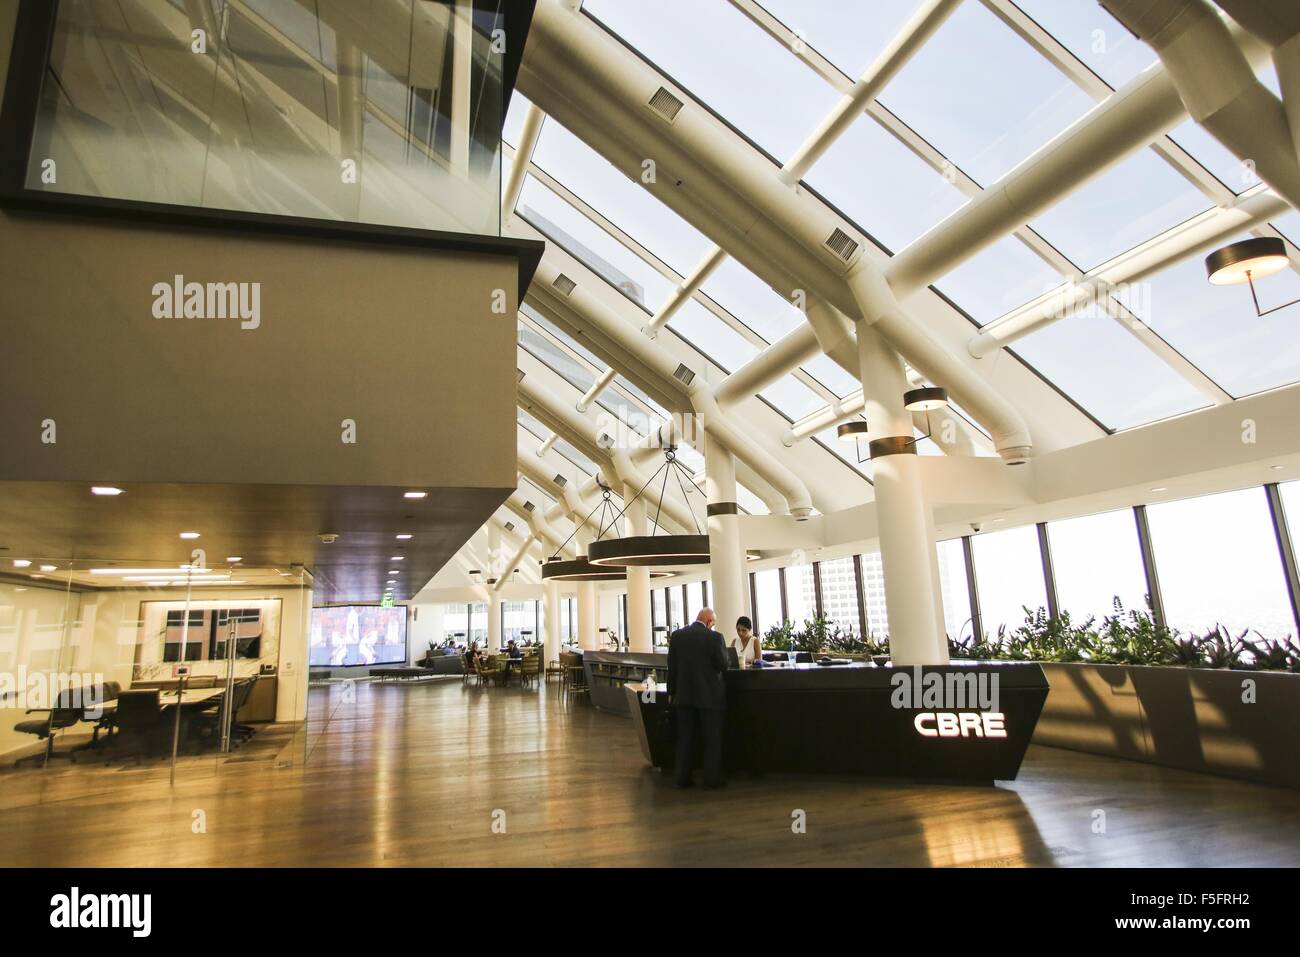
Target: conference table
[(169, 699)]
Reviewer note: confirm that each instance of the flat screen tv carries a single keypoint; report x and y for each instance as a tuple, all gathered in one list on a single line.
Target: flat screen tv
[(344, 635)]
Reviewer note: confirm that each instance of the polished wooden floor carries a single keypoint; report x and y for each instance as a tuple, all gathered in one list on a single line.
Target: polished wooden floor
[(416, 774)]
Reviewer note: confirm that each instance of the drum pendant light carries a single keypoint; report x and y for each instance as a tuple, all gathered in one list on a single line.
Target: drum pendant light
[(582, 569), (1248, 260), (654, 549)]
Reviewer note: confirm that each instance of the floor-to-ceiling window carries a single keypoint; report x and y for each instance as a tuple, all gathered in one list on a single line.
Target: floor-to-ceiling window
[(1009, 576), (676, 614), (873, 594), (1097, 559), (694, 600), (954, 588), (519, 621), (1290, 492), (478, 623), (568, 626), (1218, 563), (801, 598), (839, 582), (455, 622), (767, 599)]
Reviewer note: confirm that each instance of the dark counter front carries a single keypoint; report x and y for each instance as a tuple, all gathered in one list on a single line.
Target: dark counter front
[(609, 671), (845, 719)]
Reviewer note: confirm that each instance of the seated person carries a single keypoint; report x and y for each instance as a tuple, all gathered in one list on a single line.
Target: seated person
[(748, 647), (513, 650)]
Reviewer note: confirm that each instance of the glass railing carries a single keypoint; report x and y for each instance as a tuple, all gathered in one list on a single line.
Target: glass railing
[(387, 117)]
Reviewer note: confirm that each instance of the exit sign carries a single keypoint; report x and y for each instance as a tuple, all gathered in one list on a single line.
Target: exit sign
[(386, 602)]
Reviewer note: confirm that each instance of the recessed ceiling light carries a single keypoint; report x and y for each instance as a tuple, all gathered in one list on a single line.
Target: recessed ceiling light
[(414, 494), (21, 563), (391, 581), (105, 490), (1277, 468), (189, 535), (1160, 488), (397, 558), (156, 572), (392, 571), (49, 568), (234, 558), (404, 537)]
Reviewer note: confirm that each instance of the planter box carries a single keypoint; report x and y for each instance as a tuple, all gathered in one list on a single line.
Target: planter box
[(1188, 718)]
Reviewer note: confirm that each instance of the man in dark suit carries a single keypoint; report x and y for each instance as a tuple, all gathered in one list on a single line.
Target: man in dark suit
[(697, 658)]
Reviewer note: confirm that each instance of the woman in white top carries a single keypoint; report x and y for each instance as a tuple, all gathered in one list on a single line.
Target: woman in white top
[(748, 648)]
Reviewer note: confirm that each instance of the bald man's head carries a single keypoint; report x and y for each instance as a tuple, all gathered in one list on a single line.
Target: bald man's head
[(707, 618)]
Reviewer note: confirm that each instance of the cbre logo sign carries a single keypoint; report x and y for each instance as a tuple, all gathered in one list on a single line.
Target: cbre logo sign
[(964, 724)]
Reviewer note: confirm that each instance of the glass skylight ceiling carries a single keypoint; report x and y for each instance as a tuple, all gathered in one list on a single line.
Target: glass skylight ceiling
[(850, 35), (727, 63), (982, 96), (978, 97), (882, 185)]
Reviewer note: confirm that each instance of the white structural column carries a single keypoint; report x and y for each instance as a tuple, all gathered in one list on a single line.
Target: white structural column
[(495, 567), (551, 619), (295, 639), (588, 610), (727, 564), (639, 636), (906, 545)]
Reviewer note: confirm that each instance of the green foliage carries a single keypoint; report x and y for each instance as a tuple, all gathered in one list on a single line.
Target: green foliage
[(1187, 651), (779, 637), (1127, 637), (814, 636), (1281, 655), (846, 642), (1220, 649)]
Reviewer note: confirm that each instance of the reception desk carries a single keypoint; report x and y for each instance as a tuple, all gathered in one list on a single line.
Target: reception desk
[(609, 671), (847, 719)]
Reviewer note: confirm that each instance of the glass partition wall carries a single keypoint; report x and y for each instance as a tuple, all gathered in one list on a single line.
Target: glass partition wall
[(391, 117), (171, 669)]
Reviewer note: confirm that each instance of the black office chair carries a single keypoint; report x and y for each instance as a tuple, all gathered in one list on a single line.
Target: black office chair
[(141, 727), (62, 715), (104, 721), (208, 723)]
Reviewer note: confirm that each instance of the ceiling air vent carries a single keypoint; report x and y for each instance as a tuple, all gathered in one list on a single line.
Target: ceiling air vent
[(510, 526), (665, 104), (842, 244), (604, 441), (529, 506), (563, 284), (683, 375), (561, 481)]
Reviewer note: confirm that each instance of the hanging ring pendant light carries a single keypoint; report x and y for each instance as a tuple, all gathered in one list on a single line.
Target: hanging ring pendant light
[(641, 551), (583, 570), (649, 550)]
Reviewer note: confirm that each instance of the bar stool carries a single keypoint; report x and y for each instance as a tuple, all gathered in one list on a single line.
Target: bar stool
[(575, 684)]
